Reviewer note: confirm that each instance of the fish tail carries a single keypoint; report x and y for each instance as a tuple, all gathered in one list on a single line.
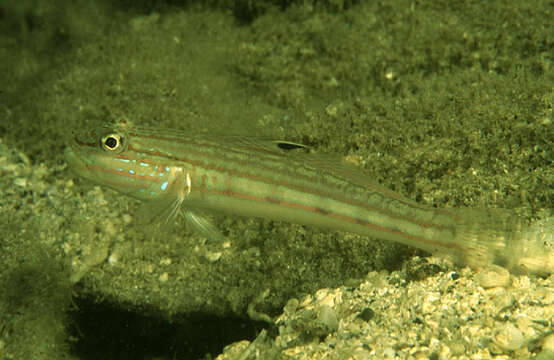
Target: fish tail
[(493, 236)]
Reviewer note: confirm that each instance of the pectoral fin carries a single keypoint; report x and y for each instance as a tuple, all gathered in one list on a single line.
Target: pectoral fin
[(204, 226), (160, 211)]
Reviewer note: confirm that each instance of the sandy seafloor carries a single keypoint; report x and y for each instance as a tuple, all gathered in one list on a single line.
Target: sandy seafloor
[(448, 105)]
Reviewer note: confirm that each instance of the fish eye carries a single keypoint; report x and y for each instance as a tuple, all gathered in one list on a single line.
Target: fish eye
[(112, 142)]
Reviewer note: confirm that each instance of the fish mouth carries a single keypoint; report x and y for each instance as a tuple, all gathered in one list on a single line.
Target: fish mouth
[(75, 154), (71, 154), (77, 148)]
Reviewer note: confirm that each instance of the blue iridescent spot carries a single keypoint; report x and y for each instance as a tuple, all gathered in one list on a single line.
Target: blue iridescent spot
[(164, 186)]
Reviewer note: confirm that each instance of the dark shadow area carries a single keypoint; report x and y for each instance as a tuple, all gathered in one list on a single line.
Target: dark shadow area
[(102, 331)]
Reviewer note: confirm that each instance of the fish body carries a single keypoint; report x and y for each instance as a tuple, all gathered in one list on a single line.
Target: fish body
[(175, 171)]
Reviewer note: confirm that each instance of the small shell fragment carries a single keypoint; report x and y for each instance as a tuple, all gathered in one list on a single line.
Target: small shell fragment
[(493, 276), (509, 338)]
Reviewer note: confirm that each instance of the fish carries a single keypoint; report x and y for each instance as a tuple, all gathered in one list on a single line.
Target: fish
[(177, 172)]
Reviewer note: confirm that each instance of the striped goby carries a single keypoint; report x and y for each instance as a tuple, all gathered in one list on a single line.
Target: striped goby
[(281, 180)]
